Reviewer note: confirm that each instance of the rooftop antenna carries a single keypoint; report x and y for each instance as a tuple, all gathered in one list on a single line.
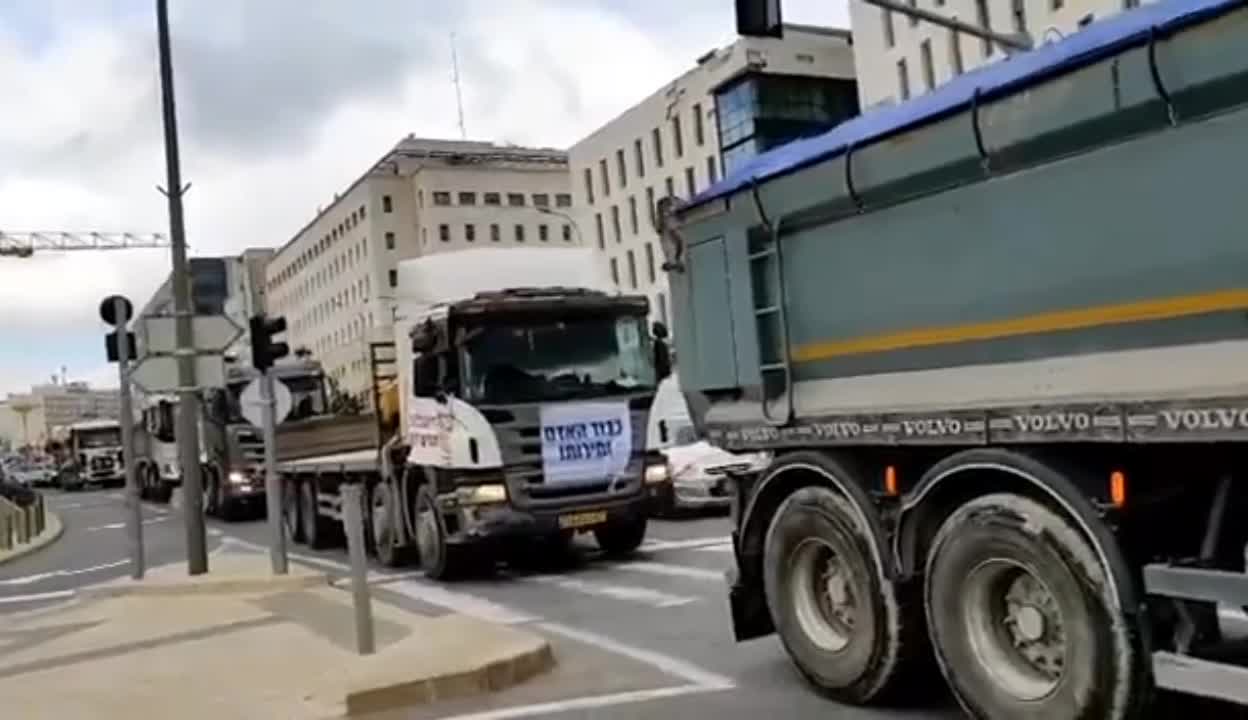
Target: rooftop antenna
[(459, 98)]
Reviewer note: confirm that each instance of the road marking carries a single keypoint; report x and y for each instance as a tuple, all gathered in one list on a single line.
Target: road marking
[(120, 525), (57, 594), (214, 532), (461, 603), (682, 669), (29, 579), (670, 570), (581, 703), (661, 545), (629, 593), (720, 548)]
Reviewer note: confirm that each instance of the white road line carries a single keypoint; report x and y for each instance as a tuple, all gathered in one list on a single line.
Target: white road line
[(461, 603), (57, 594), (581, 703), (661, 545), (630, 593), (30, 579), (120, 525), (682, 669), (721, 548), (670, 570)]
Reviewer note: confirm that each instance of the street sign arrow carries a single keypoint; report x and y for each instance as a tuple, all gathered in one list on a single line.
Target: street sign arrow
[(159, 373), (210, 333)]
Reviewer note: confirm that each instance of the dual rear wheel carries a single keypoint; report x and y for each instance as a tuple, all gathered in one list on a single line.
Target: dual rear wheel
[(1017, 606)]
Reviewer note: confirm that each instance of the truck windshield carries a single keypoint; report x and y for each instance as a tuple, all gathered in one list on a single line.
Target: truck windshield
[(107, 437), (557, 360)]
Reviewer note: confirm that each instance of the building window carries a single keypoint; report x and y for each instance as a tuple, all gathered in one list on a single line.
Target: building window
[(394, 278), (543, 233), (515, 199), (519, 233), (890, 33), (541, 200), (615, 223), (690, 182), (650, 262), (467, 198), (567, 233), (955, 52), (363, 212), (1130, 4), (444, 233), (711, 171), (424, 236), (670, 186), (621, 170), (903, 80), (639, 158), (1020, 16), (496, 235), (602, 236), (496, 199), (929, 70), (699, 128), (678, 139), (387, 205), (441, 198), (615, 271), (470, 232), (985, 21), (1058, 4), (632, 269), (589, 186), (657, 137), (650, 205), (603, 176), (563, 200), (632, 214)]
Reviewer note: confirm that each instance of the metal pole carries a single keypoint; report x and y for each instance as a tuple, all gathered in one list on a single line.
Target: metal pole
[(1019, 41), (188, 401), (352, 509), (273, 495), (134, 508)]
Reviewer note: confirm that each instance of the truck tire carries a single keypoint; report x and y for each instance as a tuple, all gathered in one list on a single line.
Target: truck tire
[(851, 633), (385, 515), (290, 510), (209, 478), (315, 527), (1019, 611), (438, 558), (622, 537)]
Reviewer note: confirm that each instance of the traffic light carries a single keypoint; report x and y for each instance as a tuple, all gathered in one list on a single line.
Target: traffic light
[(264, 350), (759, 18)]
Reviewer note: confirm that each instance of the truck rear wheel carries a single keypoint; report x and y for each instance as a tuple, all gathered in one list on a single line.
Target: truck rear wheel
[(438, 558), (1020, 615), (848, 629), (315, 527), (622, 536)]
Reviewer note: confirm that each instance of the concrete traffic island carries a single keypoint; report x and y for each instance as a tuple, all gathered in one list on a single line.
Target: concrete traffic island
[(52, 530), (228, 646)]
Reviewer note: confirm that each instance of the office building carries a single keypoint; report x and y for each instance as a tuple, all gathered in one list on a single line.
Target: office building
[(30, 418), (336, 280), (736, 102), (899, 57)]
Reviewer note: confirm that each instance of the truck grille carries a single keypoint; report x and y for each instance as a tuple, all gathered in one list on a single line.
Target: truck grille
[(102, 462)]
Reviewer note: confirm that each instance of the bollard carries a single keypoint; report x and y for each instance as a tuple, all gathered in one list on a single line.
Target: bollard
[(352, 514), (6, 535)]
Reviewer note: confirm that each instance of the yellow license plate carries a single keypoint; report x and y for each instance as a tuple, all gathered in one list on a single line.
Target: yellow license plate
[(582, 519)]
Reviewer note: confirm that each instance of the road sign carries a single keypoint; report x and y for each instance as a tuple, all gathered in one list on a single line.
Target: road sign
[(159, 373), (252, 402), (210, 333), (108, 310)]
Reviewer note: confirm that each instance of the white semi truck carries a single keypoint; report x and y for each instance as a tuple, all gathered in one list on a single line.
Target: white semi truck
[(524, 388), (92, 455)]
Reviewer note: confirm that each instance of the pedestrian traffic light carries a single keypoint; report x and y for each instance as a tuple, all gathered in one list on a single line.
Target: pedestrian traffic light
[(264, 350)]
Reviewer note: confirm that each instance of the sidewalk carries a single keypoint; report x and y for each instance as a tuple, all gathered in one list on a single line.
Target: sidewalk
[(241, 644)]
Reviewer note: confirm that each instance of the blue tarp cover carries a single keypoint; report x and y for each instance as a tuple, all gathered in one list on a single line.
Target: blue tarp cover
[(1095, 42)]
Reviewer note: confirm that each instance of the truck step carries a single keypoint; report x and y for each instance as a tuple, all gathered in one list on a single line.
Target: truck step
[(1205, 678), (1193, 583)]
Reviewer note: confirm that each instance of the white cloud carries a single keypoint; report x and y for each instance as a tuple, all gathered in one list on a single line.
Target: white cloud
[(83, 151)]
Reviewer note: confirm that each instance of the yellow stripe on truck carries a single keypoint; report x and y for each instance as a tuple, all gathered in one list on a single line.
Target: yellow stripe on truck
[(1078, 319)]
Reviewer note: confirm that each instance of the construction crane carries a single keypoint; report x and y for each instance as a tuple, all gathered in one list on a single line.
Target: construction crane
[(25, 244)]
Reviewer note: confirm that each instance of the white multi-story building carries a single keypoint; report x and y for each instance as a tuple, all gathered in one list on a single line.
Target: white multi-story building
[(30, 418), (737, 101), (899, 57), (336, 280)]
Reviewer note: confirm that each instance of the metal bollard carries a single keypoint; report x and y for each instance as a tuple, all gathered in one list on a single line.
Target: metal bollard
[(352, 514), (6, 534)]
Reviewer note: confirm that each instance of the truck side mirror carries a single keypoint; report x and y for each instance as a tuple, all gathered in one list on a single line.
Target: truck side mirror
[(424, 337), (659, 330), (662, 359)]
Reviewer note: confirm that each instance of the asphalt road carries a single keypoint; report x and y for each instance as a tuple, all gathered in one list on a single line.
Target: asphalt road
[(649, 637)]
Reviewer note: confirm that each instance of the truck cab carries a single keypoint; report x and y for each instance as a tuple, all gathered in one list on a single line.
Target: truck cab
[(94, 456)]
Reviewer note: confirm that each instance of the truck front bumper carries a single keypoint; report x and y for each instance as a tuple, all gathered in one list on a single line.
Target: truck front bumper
[(488, 524)]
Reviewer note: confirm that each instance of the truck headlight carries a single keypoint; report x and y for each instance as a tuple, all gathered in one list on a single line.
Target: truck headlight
[(481, 494), (238, 478), (656, 474)]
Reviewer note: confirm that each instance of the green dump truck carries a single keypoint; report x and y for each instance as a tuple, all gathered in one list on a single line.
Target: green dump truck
[(997, 339)]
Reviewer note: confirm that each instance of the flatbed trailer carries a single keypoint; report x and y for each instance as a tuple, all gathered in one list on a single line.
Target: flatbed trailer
[(995, 337)]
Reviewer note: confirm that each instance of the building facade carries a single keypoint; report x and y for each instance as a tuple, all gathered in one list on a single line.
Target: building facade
[(31, 418), (245, 297), (899, 57), (736, 102), (336, 280)]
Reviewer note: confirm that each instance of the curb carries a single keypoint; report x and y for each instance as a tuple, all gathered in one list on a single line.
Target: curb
[(224, 586), (51, 533), (489, 677)]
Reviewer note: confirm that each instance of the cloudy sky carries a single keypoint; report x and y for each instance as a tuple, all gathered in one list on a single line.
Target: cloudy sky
[(281, 102)]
